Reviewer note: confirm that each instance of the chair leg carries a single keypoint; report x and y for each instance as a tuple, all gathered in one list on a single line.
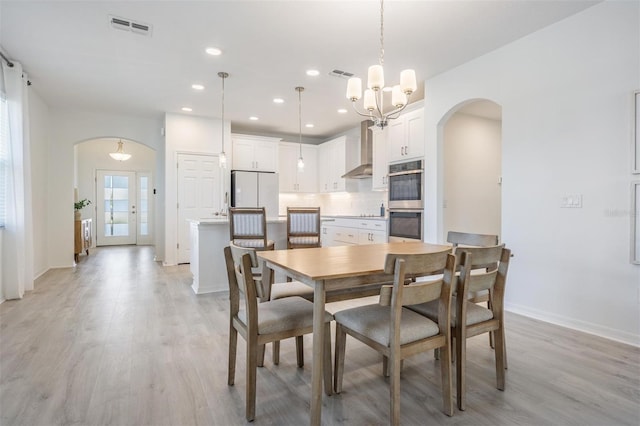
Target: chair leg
[(394, 389), (233, 346), (386, 368), (275, 347), (338, 370), (461, 368), (447, 386), (328, 385), (500, 358), (252, 366), (260, 360), (300, 351)]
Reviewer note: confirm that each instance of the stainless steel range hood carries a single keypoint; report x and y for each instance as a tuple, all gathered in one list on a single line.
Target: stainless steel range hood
[(365, 169)]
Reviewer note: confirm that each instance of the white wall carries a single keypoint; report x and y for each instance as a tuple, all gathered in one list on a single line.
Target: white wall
[(472, 161), (565, 96), (94, 155), (39, 125), (69, 127), (188, 134)]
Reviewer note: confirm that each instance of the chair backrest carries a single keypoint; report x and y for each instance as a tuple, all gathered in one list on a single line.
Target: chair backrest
[(241, 282), (248, 223), (259, 270), (474, 240), (303, 222), (399, 294), (492, 279)]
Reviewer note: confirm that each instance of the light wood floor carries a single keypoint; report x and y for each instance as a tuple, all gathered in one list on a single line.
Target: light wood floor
[(121, 340)]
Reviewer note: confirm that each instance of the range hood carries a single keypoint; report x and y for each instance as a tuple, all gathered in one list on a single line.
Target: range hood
[(365, 169)]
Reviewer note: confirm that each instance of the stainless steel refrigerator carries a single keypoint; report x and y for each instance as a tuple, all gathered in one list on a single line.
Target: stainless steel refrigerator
[(255, 189)]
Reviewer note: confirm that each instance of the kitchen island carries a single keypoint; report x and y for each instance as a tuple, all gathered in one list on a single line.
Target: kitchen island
[(208, 238)]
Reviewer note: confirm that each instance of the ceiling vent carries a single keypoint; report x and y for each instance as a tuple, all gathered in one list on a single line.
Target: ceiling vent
[(129, 25), (340, 73)]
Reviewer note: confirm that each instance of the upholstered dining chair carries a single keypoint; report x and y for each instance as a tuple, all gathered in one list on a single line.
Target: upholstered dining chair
[(396, 332), (469, 319), (303, 227), (248, 228), (261, 323)]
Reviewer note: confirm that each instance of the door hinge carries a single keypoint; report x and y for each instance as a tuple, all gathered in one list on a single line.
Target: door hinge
[(177, 165), (177, 205), (178, 245)]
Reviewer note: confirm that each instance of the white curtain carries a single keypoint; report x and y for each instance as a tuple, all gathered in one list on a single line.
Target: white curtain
[(17, 250)]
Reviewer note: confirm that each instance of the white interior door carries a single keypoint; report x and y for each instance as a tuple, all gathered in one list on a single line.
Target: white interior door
[(116, 208), (199, 195)]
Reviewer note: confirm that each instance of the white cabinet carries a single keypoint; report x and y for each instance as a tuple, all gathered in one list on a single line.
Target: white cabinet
[(371, 237), (380, 160), (405, 136), (290, 178), (327, 234), (348, 231), (255, 153), (331, 165)]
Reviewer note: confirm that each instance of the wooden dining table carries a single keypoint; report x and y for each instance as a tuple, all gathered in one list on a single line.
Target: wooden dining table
[(334, 268)]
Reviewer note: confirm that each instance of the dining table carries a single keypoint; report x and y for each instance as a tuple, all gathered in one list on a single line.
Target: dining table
[(334, 268)]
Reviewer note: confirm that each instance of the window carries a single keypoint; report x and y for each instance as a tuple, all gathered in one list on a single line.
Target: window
[(4, 153)]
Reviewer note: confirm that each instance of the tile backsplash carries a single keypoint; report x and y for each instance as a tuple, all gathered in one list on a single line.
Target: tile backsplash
[(338, 203)]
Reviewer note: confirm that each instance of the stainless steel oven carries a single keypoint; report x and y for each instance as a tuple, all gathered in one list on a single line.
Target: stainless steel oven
[(406, 185), (405, 225)]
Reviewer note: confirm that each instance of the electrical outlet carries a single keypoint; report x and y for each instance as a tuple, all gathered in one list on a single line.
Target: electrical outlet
[(571, 201)]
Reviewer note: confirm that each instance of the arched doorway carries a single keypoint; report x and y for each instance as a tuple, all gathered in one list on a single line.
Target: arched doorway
[(472, 168), (122, 209)]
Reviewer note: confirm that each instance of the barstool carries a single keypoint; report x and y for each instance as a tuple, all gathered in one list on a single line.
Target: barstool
[(248, 228)]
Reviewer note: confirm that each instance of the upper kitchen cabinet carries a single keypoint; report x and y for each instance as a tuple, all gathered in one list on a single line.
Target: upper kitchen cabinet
[(380, 160), (332, 165), (255, 153), (405, 136), (291, 179)]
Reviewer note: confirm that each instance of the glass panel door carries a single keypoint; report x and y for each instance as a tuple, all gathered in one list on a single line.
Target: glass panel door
[(144, 210), (116, 215)]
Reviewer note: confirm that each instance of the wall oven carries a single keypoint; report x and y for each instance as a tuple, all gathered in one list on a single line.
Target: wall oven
[(405, 225), (406, 185)]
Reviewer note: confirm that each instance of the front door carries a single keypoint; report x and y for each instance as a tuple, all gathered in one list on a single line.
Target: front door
[(116, 208)]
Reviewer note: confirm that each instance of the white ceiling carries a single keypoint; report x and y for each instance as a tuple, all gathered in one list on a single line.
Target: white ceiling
[(75, 59)]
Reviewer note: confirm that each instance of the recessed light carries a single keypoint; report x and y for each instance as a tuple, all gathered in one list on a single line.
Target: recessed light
[(309, 125), (187, 109), (213, 51), (253, 118), (313, 73), (197, 86), (278, 100), (342, 111)]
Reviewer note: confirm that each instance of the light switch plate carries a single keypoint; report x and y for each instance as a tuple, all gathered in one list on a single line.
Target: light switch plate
[(571, 201)]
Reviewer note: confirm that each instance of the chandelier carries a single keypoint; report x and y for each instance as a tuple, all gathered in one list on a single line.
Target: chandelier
[(120, 155), (300, 159), (222, 158), (374, 96)]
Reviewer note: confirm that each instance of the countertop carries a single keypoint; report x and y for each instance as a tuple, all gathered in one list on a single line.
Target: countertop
[(225, 220)]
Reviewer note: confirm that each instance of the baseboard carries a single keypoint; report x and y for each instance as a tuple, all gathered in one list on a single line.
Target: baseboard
[(586, 327), (200, 289)]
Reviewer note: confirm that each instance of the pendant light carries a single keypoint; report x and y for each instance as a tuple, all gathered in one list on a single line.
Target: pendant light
[(120, 155), (222, 158), (300, 159), (373, 96)]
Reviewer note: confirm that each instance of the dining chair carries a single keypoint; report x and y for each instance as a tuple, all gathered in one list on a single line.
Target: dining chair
[(303, 227), (261, 323), (469, 319), (398, 333), (467, 239), (248, 228)]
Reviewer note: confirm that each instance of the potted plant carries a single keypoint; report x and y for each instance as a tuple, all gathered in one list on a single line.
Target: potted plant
[(79, 205)]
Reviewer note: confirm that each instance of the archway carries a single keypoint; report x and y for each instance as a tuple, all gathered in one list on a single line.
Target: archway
[(129, 220), (472, 168)]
